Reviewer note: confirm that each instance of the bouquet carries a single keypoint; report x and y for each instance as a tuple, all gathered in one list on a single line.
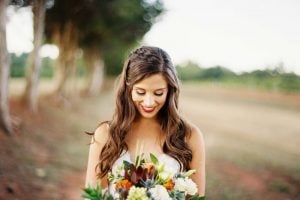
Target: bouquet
[(146, 180)]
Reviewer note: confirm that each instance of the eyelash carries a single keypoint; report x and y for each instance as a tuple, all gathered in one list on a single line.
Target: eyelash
[(143, 93), (140, 93), (159, 94)]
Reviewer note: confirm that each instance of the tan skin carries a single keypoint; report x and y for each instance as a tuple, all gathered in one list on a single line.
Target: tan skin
[(148, 95)]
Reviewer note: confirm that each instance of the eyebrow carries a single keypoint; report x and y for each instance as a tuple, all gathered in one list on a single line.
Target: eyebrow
[(155, 89)]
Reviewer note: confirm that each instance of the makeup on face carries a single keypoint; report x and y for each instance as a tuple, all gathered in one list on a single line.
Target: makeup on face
[(149, 95)]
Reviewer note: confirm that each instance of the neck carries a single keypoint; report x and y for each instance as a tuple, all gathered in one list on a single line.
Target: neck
[(147, 125), (146, 121)]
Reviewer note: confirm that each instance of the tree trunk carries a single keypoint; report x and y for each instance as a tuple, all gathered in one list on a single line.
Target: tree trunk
[(67, 42), (97, 77), (34, 61), (5, 120), (95, 72)]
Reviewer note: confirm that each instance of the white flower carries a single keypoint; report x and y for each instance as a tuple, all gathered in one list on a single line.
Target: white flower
[(180, 185), (185, 185), (164, 175), (137, 193), (159, 192), (191, 187), (171, 170)]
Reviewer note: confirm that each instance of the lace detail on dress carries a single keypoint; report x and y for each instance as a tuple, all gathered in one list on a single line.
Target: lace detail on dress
[(171, 165)]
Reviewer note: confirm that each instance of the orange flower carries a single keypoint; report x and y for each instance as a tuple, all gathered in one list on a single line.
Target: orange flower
[(123, 184), (148, 166), (169, 185)]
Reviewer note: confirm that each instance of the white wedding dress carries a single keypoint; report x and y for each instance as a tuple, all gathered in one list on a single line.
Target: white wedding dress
[(171, 165)]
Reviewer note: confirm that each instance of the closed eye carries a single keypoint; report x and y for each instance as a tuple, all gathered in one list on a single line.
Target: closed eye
[(158, 94), (140, 92)]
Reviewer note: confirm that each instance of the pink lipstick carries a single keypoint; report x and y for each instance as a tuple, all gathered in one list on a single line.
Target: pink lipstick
[(148, 110)]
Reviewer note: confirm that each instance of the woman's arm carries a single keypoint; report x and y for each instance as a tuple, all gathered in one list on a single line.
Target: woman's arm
[(97, 143), (196, 143)]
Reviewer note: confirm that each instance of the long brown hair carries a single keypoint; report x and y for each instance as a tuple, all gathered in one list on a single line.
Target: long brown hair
[(142, 63)]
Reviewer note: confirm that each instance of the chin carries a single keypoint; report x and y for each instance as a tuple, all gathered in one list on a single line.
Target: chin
[(147, 116)]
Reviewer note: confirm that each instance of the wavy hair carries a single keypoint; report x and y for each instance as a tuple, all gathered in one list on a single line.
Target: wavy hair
[(140, 64)]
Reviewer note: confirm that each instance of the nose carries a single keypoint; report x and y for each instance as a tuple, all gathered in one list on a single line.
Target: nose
[(148, 101)]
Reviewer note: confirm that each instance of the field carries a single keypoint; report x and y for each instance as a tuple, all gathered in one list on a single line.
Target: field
[(252, 143)]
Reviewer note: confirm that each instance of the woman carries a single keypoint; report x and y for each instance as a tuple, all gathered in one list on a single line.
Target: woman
[(147, 112)]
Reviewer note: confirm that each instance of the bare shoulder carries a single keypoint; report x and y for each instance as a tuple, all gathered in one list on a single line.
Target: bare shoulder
[(98, 141), (101, 133), (196, 139), (196, 144)]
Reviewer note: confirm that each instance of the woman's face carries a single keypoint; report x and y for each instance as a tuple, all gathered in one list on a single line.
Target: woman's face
[(149, 95)]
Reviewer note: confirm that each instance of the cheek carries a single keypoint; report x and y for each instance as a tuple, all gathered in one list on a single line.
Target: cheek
[(135, 97), (162, 100)]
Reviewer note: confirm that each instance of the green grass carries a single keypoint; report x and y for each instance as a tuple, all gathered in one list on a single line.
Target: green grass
[(272, 84)]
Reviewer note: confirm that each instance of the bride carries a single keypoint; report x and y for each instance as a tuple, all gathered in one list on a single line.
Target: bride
[(147, 112)]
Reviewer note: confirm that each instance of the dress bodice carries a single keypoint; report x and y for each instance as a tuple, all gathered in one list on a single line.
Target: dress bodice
[(171, 165)]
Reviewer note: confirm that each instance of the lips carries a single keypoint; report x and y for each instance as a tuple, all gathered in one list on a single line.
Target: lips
[(148, 110)]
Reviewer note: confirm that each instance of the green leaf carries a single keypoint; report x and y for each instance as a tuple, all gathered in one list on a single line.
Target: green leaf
[(137, 160), (154, 159), (177, 195), (96, 193), (198, 198), (126, 164)]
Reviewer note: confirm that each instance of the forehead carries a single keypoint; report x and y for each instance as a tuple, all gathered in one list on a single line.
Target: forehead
[(155, 81)]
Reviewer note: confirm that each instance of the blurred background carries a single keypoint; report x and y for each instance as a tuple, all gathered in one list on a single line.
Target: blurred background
[(239, 66)]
